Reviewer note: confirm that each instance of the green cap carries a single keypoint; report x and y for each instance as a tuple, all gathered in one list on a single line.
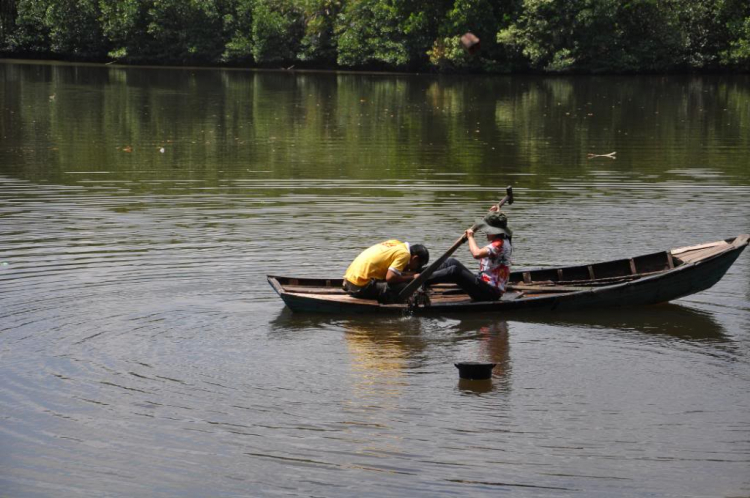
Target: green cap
[(495, 223)]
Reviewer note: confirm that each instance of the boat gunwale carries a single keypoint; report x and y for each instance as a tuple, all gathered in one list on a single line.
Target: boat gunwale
[(735, 243)]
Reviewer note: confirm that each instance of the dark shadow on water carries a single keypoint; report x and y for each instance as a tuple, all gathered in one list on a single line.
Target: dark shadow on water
[(289, 321), (375, 324), (668, 320)]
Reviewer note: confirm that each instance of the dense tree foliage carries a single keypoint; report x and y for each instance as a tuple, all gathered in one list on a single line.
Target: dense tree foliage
[(516, 35)]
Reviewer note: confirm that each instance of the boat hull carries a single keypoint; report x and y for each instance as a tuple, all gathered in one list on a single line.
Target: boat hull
[(697, 269)]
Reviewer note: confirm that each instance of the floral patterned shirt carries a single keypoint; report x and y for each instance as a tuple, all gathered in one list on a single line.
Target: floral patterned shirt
[(495, 268)]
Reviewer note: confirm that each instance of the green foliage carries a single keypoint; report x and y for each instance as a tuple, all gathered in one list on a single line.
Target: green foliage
[(422, 27), (187, 30), (483, 18), (447, 54), (621, 36), (738, 53), (735, 19), (277, 31), (169, 31), (390, 33), (369, 32), (75, 28), (319, 41), (599, 36), (558, 36), (69, 28), (125, 25), (7, 22), (30, 35), (238, 25)]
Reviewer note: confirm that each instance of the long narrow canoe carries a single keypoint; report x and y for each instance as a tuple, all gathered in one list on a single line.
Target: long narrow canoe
[(648, 279)]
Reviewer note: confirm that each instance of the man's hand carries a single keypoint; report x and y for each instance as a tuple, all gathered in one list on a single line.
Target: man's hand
[(394, 278), (469, 233)]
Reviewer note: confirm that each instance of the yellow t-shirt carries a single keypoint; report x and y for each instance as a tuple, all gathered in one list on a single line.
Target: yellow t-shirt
[(374, 262)]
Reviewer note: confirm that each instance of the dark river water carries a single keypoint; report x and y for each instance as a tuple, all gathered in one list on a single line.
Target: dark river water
[(142, 352)]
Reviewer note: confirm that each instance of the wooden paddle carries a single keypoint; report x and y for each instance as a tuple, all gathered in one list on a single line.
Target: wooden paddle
[(415, 284)]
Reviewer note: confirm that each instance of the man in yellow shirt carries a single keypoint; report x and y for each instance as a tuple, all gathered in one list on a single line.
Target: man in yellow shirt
[(382, 270)]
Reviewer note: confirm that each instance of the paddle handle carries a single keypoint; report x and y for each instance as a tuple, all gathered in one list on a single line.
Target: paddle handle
[(410, 289)]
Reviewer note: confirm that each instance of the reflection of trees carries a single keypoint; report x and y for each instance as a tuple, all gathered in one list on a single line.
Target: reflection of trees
[(217, 125)]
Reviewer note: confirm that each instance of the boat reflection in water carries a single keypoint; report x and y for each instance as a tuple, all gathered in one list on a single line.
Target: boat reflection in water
[(383, 355), (381, 352), (391, 348), (665, 321)]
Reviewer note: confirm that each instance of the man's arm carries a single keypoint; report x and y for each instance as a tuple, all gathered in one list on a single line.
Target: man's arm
[(393, 277)]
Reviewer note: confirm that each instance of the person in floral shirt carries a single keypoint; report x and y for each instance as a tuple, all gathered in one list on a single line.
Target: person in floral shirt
[(494, 261)]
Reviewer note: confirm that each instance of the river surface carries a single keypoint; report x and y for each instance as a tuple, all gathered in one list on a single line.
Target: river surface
[(142, 352)]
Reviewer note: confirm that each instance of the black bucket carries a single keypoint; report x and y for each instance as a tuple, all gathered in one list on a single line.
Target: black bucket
[(474, 370)]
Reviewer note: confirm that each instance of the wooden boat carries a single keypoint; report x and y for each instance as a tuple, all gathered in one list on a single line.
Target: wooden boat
[(648, 279)]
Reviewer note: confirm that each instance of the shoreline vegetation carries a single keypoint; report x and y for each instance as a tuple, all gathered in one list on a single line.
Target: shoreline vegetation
[(516, 36)]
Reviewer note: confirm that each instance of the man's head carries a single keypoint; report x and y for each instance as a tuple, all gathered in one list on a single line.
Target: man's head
[(420, 256)]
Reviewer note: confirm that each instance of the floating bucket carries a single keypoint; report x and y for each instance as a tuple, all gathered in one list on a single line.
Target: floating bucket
[(474, 370)]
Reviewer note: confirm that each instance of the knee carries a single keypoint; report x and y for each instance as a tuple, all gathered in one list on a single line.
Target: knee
[(455, 264), (447, 264), (450, 264), (453, 270)]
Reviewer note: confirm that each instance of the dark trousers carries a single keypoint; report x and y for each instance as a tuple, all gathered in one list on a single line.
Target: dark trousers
[(452, 271), (377, 289)]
